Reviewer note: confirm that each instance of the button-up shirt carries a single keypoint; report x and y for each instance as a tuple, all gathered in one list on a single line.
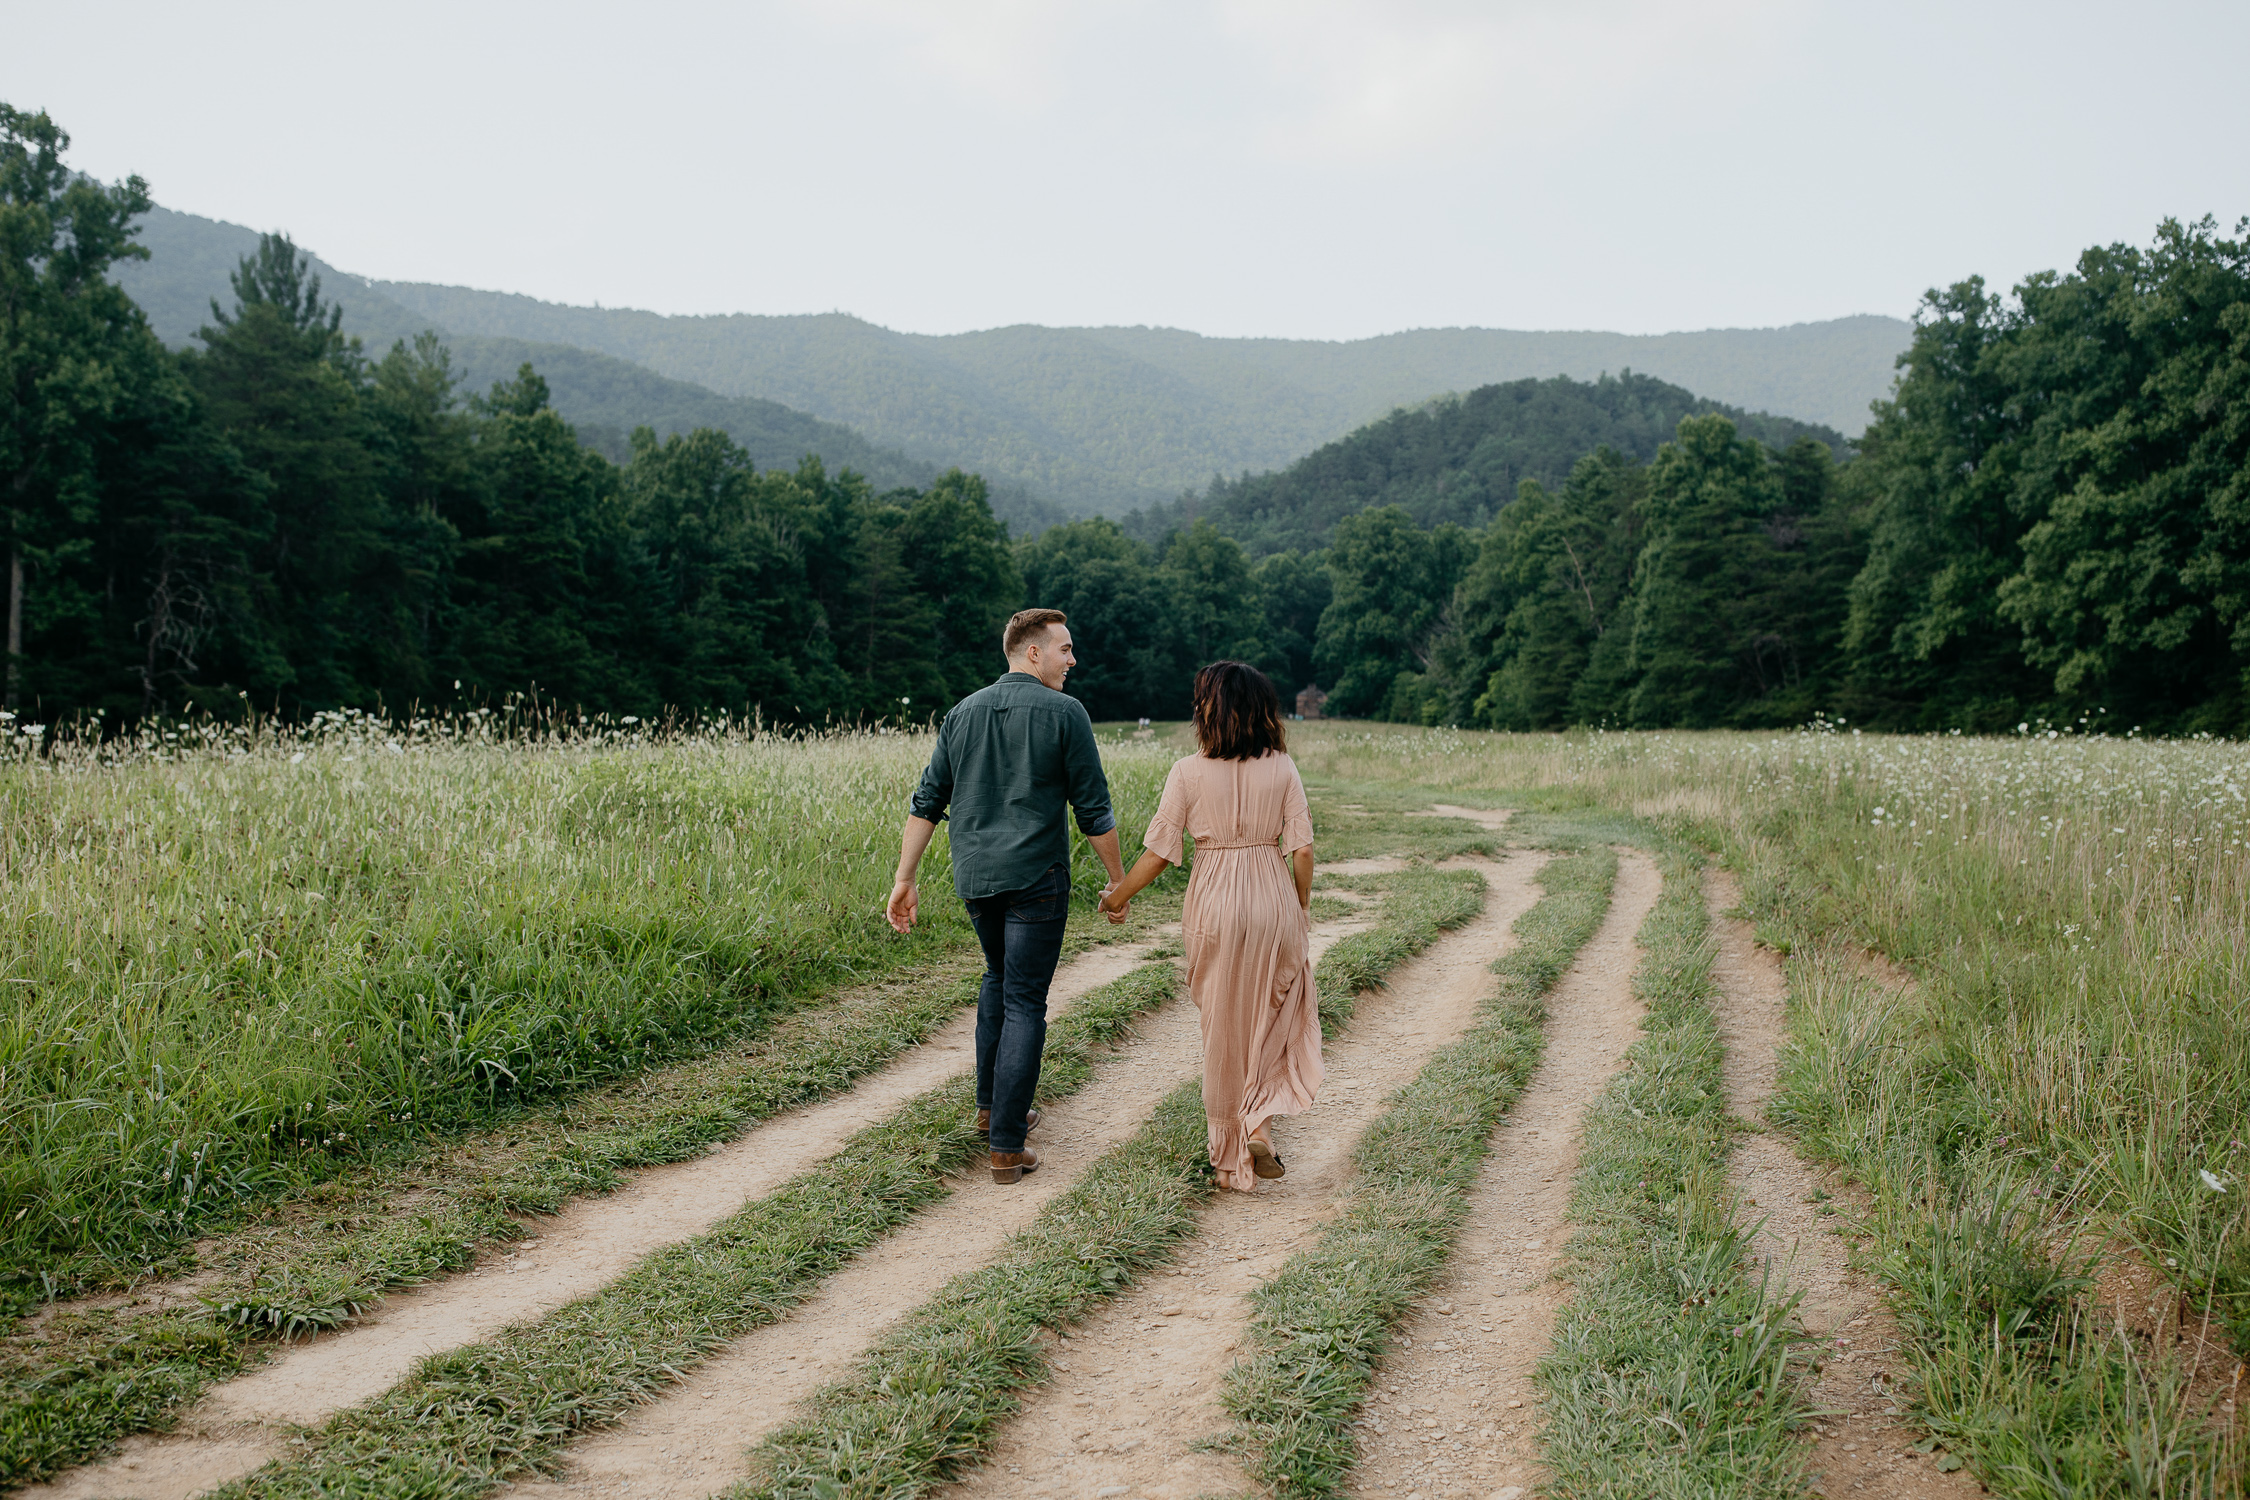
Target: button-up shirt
[(1008, 756)]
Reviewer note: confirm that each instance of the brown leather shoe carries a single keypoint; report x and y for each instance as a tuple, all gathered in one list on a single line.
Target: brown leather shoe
[(984, 1123), (1009, 1166), (1265, 1162)]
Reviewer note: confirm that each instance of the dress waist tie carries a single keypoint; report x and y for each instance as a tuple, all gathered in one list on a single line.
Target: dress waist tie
[(1273, 843)]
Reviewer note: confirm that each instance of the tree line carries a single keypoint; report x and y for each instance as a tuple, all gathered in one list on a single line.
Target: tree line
[(275, 519), (2049, 517)]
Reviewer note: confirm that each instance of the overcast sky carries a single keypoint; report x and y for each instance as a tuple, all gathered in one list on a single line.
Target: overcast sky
[(1284, 167)]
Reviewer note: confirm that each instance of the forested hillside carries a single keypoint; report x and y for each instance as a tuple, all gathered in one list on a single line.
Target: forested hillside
[(1109, 419), (1458, 459), (1089, 419), (603, 396), (2050, 518)]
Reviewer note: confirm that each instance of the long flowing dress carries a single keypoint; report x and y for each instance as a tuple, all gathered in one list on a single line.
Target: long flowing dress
[(1245, 936)]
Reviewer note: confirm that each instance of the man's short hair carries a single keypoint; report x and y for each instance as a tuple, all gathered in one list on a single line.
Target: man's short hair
[(1024, 627)]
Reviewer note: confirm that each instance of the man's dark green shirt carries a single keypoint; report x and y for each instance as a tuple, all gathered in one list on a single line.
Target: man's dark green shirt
[(1007, 758)]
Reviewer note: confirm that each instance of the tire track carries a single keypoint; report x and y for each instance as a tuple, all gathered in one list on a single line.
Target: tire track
[(1860, 1447), (693, 1442), (1455, 1412), (1135, 1386), (240, 1424)]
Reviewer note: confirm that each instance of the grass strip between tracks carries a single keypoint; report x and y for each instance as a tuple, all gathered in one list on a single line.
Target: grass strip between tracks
[(1321, 1325), (471, 1417), (96, 1375), (926, 1402), (1673, 1370)]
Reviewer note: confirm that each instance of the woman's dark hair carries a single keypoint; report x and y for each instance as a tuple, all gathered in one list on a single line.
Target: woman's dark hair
[(1237, 713)]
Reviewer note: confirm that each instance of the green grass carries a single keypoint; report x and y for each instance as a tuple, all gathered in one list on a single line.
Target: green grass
[(925, 1403), (2045, 1100), (236, 966), (472, 1417), (2017, 1367), (1677, 1365), (1320, 1327), (317, 1258)]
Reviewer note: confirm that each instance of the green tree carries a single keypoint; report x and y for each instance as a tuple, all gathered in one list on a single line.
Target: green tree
[(938, 581), (1292, 591), (2134, 575), (70, 342), (1707, 491), (1936, 478), (1132, 659), (1208, 578), (548, 594), (1392, 582), (732, 618), (285, 386), (1549, 588)]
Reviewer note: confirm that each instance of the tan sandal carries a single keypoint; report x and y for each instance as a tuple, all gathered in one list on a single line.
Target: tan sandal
[(1264, 1162)]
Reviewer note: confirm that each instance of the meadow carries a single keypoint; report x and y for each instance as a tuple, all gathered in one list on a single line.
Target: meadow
[(245, 962), (239, 958)]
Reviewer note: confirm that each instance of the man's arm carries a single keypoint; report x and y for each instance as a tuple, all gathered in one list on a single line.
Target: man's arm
[(905, 900), (1089, 791), (1105, 845), (930, 798)]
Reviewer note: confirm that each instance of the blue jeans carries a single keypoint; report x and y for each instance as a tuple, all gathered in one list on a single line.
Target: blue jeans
[(1022, 935)]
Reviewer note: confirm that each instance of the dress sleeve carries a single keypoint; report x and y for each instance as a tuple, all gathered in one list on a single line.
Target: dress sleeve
[(1296, 814), (1170, 822)]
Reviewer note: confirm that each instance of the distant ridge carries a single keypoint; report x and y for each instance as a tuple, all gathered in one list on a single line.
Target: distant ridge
[(603, 396), (1110, 419), (1086, 419)]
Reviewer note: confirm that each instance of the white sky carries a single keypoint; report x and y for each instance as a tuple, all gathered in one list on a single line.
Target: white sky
[(1305, 168)]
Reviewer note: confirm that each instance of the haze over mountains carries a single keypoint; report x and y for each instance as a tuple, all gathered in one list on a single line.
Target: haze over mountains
[(1062, 421)]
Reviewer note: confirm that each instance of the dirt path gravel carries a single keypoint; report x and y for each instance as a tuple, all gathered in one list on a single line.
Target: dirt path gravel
[(693, 1443), (1136, 1385), (1455, 1412), (238, 1425), (1863, 1449)]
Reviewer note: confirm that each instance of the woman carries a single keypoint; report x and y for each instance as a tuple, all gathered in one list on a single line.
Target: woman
[(1246, 921)]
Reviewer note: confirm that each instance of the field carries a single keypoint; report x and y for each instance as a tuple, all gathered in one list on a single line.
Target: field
[(364, 1027)]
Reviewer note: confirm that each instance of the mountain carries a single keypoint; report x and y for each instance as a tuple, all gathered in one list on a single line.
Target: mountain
[(603, 396), (1089, 419), (1459, 458), (1108, 419)]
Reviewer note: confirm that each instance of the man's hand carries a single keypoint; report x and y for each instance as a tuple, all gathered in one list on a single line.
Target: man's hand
[(1119, 912), (901, 908), (905, 901)]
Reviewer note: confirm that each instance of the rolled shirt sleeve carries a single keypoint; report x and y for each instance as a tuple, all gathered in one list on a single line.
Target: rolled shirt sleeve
[(935, 791), (1082, 770)]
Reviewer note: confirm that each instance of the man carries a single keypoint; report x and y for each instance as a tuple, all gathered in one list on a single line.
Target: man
[(1008, 756)]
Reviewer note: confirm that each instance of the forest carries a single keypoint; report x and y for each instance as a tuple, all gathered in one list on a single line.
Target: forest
[(2049, 518)]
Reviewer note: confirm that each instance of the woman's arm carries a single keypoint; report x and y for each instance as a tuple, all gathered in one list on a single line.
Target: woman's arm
[(1145, 869), (1300, 865)]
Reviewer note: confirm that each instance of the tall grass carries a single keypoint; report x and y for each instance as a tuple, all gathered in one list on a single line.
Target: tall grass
[(2072, 1064), (233, 957)]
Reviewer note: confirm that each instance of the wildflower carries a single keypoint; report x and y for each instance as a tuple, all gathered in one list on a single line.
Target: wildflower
[(2212, 1180)]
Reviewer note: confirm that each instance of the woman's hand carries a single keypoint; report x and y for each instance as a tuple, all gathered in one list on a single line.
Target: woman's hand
[(1119, 897)]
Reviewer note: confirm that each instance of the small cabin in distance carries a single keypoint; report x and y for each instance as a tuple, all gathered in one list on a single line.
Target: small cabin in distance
[(1309, 702)]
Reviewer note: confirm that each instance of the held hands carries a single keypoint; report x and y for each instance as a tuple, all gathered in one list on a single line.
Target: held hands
[(1113, 906)]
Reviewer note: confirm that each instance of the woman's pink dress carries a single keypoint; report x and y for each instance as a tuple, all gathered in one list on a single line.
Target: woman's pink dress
[(1245, 937)]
